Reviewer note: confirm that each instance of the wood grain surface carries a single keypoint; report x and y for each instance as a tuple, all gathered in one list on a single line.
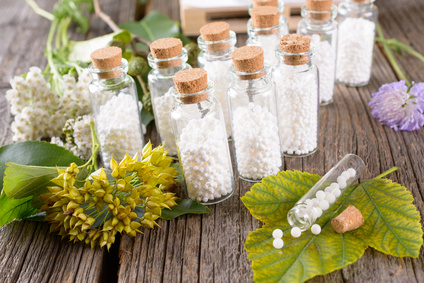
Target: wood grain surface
[(209, 248)]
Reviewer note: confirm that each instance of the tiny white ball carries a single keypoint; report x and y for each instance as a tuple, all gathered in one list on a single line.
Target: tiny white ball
[(295, 232), (309, 202), (323, 204), (343, 185), (320, 195), (341, 179), (278, 243), (277, 234), (328, 189), (316, 229), (337, 192), (346, 175), (351, 171), (330, 197), (334, 186), (317, 212), (315, 201)]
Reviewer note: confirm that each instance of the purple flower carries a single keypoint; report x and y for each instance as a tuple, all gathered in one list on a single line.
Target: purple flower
[(397, 107)]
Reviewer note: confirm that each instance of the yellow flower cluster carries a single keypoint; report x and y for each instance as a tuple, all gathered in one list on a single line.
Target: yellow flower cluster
[(96, 211)]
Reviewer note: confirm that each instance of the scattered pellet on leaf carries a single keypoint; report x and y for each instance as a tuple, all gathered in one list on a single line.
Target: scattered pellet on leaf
[(278, 243), (316, 229), (295, 232), (350, 219), (277, 234)]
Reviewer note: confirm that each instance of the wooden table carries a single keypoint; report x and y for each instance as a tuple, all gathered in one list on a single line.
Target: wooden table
[(210, 247)]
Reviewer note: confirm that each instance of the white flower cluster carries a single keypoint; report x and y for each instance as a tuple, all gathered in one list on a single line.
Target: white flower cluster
[(219, 73), (255, 135), (205, 159), (39, 111)]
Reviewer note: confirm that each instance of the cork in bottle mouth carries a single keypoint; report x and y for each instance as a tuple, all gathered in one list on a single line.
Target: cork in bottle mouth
[(362, 1), (259, 3), (295, 44), (319, 9), (216, 33), (265, 17), (107, 58), (190, 84), (166, 48), (249, 59)]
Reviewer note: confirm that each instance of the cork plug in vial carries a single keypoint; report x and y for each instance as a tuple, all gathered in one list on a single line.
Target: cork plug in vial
[(167, 57), (201, 138), (279, 4), (113, 94)]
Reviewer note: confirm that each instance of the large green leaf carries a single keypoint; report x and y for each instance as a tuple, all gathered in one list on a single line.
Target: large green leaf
[(387, 208), (11, 209), (185, 206)]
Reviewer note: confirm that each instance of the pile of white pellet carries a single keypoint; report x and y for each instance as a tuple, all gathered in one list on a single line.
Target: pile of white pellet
[(355, 47), (205, 159), (162, 107)]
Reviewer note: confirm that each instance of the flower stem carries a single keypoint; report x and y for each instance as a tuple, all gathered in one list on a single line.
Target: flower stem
[(390, 56), (40, 11), (391, 170)]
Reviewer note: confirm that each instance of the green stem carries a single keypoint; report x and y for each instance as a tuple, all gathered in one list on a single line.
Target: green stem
[(50, 61), (406, 48), (143, 84), (40, 11), (391, 170), (390, 56)]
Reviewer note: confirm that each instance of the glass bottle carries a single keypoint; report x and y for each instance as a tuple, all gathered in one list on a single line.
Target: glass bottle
[(201, 138), (297, 93), (253, 115), (319, 23), (326, 192), (217, 43), (273, 3), (265, 30), (166, 59), (357, 23), (116, 108)]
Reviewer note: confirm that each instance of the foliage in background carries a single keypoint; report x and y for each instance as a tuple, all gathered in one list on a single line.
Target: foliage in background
[(392, 225)]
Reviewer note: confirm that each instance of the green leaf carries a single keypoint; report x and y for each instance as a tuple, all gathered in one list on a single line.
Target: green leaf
[(146, 117), (392, 225), (154, 26), (11, 209), (185, 206), (124, 36)]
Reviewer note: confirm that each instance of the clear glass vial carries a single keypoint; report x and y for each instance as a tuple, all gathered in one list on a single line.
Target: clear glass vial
[(265, 30), (296, 85), (322, 28), (326, 192), (116, 108), (201, 138), (166, 59), (357, 24), (217, 43), (253, 116), (273, 3)]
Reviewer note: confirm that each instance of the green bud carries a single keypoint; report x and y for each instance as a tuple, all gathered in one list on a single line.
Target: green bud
[(138, 66)]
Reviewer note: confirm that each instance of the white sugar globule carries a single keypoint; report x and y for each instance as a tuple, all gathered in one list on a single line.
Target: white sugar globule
[(295, 232), (320, 195), (162, 106), (346, 175), (316, 229), (278, 243), (297, 108), (317, 211), (330, 197), (355, 48), (205, 159), (351, 171), (341, 179), (337, 192), (323, 204), (219, 72), (325, 59), (277, 234), (256, 142)]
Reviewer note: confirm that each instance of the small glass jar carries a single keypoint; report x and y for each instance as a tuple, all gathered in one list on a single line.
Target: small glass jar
[(215, 58), (267, 37), (297, 93), (116, 112), (322, 28), (326, 192), (357, 25), (203, 151), (254, 124), (280, 5), (160, 83)]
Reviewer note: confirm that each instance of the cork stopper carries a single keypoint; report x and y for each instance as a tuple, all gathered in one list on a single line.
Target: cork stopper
[(259, 3), (191, 81), (323, 6), (249, 59), (361, 1), (166, 48), (265, 17), (350, 219), (105, 59), (216, 31), (295, 43)]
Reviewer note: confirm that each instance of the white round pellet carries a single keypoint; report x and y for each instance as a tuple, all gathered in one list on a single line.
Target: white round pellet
[(278, 243), (330, 197), (320, 195), (295, 232), (334, 186), (343, 185), (309, 202), (315, 201), (328, 189), (346, 175), (317, 212), (316, 229), (337, 192), (277, 234), (341, 179), (323, 204), (352, 172)]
